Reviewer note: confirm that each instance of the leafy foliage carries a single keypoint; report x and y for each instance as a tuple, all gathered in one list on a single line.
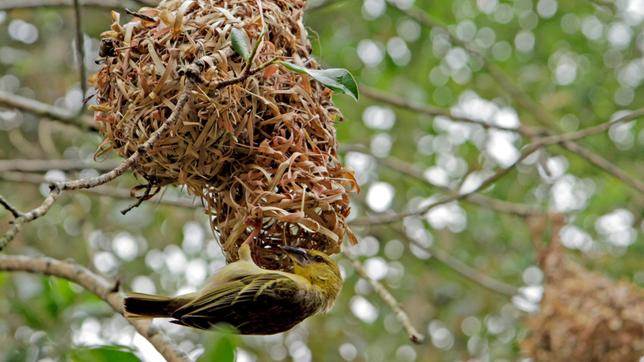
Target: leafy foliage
[(579, 62)]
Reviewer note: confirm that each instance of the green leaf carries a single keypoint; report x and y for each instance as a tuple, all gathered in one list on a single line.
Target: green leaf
[(241, 43), (104, 354), (221, 347), (336, 79)]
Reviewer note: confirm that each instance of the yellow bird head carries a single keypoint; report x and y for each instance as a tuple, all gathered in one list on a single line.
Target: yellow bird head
[(319, 269)]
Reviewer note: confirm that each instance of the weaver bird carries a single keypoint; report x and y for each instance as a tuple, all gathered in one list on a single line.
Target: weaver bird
[(249, 298)]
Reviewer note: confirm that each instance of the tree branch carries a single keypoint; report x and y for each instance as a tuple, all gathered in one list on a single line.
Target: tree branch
[(58, 187), (97, 285), (80, 52), (604, 164), (453, 196), (28, 217), (390, 300), (44, 110), (113, 192), (136, 156), (4, 203), (27, 4), (328, 3), (463, 269), (542, 117), (433, 111), (414, 172), (48, 165)]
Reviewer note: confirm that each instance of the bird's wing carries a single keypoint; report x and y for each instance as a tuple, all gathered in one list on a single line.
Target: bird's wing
[(252, 297), (244, 289)]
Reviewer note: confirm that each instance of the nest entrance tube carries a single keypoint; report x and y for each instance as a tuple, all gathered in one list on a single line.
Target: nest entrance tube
[(260, 152)]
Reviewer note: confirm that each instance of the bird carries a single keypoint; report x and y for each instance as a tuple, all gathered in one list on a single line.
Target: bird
[(249, 298)]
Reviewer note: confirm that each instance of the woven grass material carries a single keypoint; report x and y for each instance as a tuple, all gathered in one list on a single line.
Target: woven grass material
[(585, 316), (260, 153)]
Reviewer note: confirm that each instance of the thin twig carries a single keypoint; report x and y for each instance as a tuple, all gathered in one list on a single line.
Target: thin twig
[(323, 5), (508, 86), (140, 199), (48, 165), (136, 156), (472, 274), (58, 187), (27, 4), (80, 52), (4, 203), (245, 75), (28, 217), (405, 103), (40, 109), (463, 269), (605, 165), (105, 4), (106, 191), (97, 285), (590, 131), (454, 196), (414, 172), (390, 300)]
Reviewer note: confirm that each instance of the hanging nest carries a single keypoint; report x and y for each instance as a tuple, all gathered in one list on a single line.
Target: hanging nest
[(261, 153), (585, 316)]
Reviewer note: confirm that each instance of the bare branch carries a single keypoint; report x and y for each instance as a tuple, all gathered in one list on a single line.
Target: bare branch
[(465, 270), (4, 203), (323, 5), (604, 164), (59, 187), (453, 196), (48, 165), (40, 109), (28, 217), (460, 267), (136, 156), (115, 193), (414, 172), (80, 51), (508, 86), (27, 4), (433, 111), (390, 300), (590, 131), (97, 285)]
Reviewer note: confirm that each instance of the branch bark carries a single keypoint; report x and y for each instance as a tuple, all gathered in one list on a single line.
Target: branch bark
[(104, 190), (541, 116), (58, 187), (97, 285), (45, 110), (30, 4), (454, 195), (431, 111), (390, 300), (463, 269), (21, 165), (414, 172)]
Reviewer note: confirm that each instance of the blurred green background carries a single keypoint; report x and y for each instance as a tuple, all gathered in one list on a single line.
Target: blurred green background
[(581, 61)]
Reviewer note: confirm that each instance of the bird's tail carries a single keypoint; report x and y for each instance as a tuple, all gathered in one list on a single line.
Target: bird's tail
[(142, 306)]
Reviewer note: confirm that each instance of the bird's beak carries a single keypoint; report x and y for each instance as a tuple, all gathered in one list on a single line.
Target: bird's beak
[(298, 255)]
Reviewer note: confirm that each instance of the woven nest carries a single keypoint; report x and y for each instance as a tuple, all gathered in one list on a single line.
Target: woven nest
[(260, 153), (585, 316)]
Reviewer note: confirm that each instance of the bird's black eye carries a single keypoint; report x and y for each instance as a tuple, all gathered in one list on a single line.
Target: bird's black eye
[(318, 259)]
